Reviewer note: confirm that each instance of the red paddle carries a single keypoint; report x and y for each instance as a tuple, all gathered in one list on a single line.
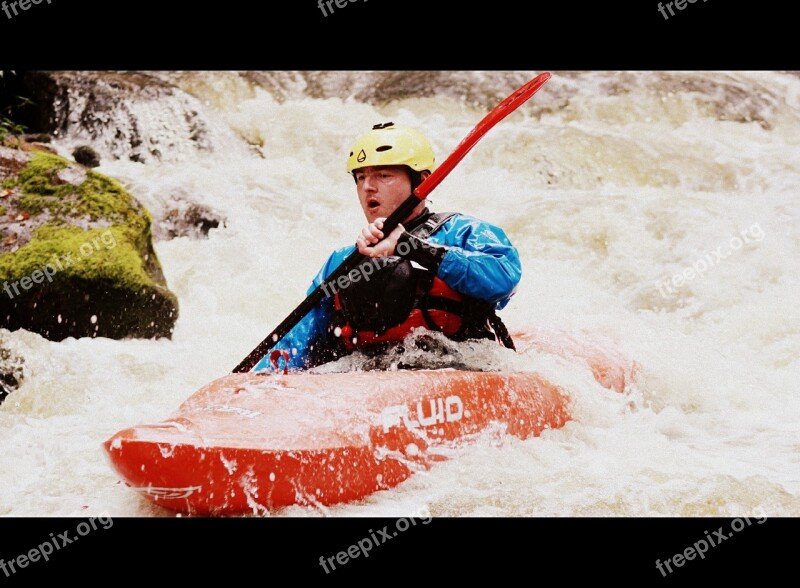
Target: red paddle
[(502, 110)]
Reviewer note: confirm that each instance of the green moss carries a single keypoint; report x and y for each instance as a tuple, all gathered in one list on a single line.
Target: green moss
[(9, 182), (2, 210), (104, 281), (123, 252), (115, 253), (97, 197)]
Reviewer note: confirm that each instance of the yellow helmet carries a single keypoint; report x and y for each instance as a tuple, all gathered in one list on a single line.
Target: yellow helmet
[(390, 144)]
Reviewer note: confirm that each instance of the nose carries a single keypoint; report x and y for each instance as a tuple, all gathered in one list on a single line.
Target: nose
[(370, 183)]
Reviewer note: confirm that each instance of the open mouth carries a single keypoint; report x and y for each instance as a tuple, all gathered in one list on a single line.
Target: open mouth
[(373, 204)]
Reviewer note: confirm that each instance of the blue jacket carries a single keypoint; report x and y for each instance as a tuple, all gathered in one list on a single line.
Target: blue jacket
[(481, 263)]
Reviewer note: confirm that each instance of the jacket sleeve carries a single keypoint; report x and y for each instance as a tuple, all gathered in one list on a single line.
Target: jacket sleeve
[(479, 260), (312, 329)]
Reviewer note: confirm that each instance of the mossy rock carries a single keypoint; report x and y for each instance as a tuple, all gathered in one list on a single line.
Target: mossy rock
[(76, 254)]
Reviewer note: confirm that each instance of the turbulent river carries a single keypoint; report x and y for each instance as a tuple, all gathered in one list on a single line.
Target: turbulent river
[(659, 210)]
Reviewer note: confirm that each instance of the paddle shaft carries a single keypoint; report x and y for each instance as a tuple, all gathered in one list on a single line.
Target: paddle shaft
[(506, 107), (319, 293)]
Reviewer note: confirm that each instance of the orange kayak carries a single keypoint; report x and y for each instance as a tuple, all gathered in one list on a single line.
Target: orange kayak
[(250, 443)]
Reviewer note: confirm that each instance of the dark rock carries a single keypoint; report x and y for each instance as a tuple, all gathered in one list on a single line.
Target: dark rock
[(11, 371), (87, 156), (37, 138), (187, 219)]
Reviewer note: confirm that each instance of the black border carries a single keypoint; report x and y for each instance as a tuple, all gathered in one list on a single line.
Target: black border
[(390, 35), (281, 549), (399, 34)]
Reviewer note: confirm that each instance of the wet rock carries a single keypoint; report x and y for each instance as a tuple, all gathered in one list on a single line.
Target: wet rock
[(11, 371), (70, 175), (123, 115), (37, 138), (76, 254), (86, 156), (183, 218)]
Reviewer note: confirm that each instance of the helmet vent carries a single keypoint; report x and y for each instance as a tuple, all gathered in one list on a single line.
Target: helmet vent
[(383, 148)]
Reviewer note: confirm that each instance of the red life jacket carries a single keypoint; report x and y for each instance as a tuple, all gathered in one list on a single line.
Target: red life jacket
[(390, 303)]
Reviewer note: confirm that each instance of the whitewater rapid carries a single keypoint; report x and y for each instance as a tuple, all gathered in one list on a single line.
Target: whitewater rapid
[(611, 184)]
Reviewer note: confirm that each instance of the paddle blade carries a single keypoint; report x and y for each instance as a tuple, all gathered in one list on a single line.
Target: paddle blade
[(498, 113)]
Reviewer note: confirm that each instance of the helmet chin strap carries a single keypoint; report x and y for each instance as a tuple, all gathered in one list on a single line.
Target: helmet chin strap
[(415, 177)]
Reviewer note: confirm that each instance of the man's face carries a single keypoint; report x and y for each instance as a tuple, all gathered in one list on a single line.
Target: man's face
[(381, 189)]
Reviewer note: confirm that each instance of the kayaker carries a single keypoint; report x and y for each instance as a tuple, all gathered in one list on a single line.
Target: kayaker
[(444, 272)]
